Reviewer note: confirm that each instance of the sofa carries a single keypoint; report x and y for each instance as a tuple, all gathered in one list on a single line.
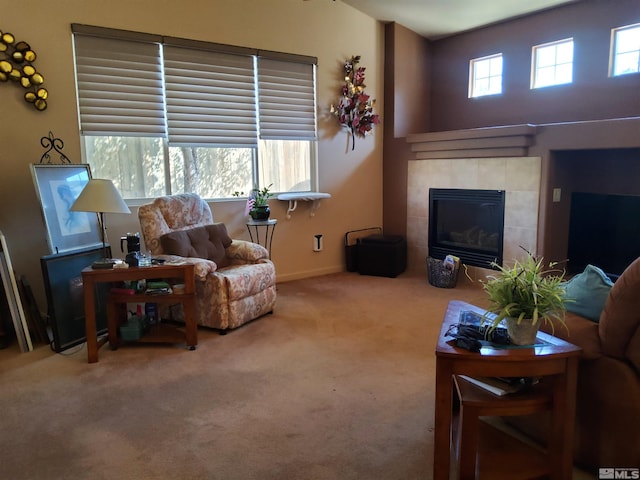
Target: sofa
[(235, 279), (607, 428)]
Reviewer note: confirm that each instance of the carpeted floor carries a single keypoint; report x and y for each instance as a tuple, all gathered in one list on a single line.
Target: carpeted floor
[(337, 384)]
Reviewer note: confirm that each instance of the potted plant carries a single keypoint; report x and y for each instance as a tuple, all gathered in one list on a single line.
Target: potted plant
[(525, 295), (258, 202)]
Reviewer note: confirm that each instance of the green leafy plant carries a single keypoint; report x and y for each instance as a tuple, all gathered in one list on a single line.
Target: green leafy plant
[(261, 196), (257, 198), (528, 291)]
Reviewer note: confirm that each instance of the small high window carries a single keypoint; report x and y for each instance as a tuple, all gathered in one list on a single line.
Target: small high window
[(485, 76), (552, 64), (625, 50)]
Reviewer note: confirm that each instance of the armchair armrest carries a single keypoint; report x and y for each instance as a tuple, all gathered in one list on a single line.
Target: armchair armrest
[(202, 266), (242, 251)]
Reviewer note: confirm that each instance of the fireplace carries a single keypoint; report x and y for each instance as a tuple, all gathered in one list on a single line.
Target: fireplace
[(468, 224)]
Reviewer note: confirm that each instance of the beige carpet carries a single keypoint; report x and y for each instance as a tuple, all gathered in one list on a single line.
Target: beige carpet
[(336, 384)]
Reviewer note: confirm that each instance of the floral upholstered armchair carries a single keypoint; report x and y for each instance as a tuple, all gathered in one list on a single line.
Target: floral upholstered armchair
[(235, 280)]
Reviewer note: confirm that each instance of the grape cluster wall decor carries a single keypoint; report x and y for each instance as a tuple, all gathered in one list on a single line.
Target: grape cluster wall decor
[(16, 63), (355, 109)]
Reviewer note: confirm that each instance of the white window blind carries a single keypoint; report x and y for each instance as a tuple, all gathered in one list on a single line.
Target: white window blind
[(210, 98), (119, 87), (286, 100)]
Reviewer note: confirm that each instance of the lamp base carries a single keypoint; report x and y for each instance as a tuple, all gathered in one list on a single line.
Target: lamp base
[(103, 264)]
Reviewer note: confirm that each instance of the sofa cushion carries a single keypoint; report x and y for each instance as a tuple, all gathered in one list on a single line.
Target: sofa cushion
[(207, 241), (579, 331), (587, 292)]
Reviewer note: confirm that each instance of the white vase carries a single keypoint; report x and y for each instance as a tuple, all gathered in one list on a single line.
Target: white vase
[(523, 333)]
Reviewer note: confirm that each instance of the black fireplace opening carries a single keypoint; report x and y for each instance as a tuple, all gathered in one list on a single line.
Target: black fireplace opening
[(468, 224)]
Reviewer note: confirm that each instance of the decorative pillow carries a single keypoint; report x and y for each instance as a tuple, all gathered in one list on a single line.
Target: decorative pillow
[(588, 291), (207, 241)]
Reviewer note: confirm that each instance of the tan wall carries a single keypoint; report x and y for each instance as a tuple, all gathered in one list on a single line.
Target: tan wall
[(331, 31)]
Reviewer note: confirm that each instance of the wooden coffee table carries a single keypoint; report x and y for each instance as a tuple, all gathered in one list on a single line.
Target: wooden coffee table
[(554, 357)]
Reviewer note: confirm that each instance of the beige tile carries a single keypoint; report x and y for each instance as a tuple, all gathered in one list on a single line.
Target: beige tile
[(417, 171), (464, 173), (418, 231), (523, 173), (492, 174), (418, 201), (439, 173), (514, 239), (521, 209)]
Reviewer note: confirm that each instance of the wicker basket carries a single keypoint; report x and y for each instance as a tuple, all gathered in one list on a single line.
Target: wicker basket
[(439, 276)]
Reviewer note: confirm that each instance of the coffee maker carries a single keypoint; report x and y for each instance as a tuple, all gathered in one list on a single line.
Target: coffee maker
[(133, 248)]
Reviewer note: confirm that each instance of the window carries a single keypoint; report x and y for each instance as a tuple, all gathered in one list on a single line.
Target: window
[(485, 76), (161, 115), (625, 50), (552, 64)]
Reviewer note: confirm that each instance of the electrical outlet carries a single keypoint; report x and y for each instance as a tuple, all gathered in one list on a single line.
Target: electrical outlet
[(317, 242), (557, 194)]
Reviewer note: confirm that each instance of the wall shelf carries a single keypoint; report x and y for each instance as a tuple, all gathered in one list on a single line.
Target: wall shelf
[(293, 199)]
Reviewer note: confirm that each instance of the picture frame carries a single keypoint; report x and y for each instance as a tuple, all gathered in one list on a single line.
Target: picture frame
[(12, 296), (62, 275), (57, 187)]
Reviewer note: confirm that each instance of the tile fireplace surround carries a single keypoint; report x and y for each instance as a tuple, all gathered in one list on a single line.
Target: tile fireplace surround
[(519, 177)]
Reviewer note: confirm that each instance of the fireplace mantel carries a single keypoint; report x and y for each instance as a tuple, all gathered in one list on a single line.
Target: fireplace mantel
[(525, 139), (489, 142)]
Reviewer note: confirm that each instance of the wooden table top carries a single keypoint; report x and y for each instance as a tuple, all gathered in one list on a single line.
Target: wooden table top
[(547, 345)]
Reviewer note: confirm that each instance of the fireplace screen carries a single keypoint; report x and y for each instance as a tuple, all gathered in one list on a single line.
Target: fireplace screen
[(468, 224)]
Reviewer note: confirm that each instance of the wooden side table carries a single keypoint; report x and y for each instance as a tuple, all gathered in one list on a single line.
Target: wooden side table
[(475, 403), (551, 357), (91, 277)]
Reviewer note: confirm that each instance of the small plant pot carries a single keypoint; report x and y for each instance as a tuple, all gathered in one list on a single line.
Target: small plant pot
[(260, 213), (523, 333)]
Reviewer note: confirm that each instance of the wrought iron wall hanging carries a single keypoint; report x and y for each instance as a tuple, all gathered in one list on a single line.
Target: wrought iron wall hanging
[(53, 146), (16, 64)]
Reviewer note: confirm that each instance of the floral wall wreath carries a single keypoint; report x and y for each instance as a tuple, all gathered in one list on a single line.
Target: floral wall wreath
[(355, 109)]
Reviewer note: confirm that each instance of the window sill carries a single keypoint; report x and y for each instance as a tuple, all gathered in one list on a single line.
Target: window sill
[(293, 199)]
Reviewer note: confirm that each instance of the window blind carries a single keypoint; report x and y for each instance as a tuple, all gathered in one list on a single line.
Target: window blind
[(286, 99), (210, 98), (119, 87)]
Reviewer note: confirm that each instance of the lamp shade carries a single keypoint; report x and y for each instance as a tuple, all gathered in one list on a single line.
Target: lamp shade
[(100, 195)]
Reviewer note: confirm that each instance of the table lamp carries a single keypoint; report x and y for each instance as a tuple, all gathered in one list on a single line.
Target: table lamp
[(100, 196)]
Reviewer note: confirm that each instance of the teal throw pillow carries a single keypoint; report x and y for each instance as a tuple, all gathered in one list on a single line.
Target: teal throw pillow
[(588, 291)]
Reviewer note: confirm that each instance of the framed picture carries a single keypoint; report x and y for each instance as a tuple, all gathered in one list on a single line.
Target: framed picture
[(62, 275), (57, 187), (12, 296)]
